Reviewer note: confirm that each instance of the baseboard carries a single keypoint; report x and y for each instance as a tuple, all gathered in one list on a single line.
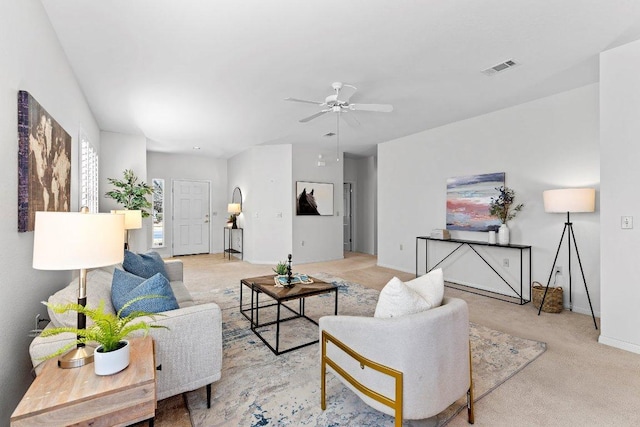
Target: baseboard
[(395, 267), (634, 348)]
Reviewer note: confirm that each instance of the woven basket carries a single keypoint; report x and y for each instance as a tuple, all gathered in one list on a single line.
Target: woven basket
[(553, 301)]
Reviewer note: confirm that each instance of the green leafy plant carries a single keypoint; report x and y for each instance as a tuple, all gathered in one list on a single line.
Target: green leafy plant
[(130, 193), (502, 206), (108, 329), (281, 268)]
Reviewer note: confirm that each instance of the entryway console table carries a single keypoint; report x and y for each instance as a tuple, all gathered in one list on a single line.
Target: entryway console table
[(228, 248), (473, 245)]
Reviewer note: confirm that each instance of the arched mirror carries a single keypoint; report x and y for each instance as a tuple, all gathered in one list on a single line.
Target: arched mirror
[(237, 197)]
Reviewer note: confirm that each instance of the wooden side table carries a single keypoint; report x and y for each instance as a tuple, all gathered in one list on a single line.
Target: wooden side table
[(78, 396)]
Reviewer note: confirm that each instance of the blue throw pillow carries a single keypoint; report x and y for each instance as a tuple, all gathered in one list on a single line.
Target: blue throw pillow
[(144, 265), (126, 286)]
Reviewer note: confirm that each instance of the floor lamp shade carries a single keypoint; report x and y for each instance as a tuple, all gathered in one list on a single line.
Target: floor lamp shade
[(132, 218), (570, 200), (74, 240)]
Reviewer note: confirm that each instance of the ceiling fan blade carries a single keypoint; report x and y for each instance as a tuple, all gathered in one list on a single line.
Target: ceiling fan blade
[(346, 92), (381, 108), (350, 119), (306, 119), (304, 100)]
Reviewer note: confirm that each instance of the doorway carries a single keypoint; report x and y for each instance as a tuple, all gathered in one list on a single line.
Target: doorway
[(347, 217), (191, 217)]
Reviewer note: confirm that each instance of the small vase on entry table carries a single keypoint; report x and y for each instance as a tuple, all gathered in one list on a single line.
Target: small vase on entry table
[(503, 234)]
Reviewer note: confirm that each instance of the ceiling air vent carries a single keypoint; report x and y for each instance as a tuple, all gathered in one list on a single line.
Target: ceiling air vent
[(499, 67)]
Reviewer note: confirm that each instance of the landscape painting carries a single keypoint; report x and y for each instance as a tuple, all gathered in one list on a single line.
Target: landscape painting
[(314, 198), (44, 163), (468, 199)]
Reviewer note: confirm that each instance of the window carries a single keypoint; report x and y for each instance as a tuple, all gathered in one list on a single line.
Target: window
[(88, 174), (158, 213)]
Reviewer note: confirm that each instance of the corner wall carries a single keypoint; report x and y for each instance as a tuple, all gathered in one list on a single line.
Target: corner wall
[(31, 60), (549, 143), (117, 153), (322, 235), (620, 155), (263, 174)]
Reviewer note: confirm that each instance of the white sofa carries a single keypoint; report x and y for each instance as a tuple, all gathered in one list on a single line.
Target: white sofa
[(188, 354), (430, 348)]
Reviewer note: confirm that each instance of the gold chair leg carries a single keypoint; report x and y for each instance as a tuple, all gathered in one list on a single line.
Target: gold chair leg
[(323, 372), (470, 409)]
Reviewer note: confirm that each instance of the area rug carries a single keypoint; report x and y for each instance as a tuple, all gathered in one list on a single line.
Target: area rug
[(258, 388)]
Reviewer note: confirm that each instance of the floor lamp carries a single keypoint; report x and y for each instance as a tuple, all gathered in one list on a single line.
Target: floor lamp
[(132, 221), (569, 200), (77, 241)]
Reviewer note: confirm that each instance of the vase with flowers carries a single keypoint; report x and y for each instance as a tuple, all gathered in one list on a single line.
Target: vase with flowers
[(504, 208)]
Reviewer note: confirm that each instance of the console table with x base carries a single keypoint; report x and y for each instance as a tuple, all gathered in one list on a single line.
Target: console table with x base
[(472, 244)]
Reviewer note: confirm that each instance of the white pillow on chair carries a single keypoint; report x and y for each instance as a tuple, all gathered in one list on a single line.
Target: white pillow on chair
[(430, 287), (397, 299)]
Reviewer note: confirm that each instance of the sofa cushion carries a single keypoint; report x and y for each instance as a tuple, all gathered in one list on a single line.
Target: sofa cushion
[(98, 288), (144, 265), (127, 286), (397, 299), (429, 286)]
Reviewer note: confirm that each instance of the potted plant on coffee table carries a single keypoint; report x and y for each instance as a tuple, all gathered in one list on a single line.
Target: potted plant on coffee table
[(109, 330)]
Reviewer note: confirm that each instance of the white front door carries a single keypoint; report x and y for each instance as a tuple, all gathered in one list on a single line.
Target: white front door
[(191, 217)]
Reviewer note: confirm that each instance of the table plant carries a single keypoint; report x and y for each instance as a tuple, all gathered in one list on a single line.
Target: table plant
[(109, 330), (504, 209)]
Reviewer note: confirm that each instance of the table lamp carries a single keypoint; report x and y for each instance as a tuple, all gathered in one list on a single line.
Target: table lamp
[(234, 209), (132, 221), (569, 200), (77, 241)]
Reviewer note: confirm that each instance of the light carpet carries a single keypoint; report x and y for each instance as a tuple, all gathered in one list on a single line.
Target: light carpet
[(258, 388)]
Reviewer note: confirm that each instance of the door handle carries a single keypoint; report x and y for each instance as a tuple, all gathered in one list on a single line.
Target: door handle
[(206, 221)]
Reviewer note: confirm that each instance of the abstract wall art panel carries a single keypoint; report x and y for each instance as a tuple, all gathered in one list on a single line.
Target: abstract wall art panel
[(44, 163), (468, 199), (314, 198)]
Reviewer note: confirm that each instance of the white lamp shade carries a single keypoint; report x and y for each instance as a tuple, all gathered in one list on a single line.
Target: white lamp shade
[(570, 200), (132, 218), (234, 208), (74, 240)]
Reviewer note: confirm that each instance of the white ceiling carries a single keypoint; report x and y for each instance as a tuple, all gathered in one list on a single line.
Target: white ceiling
[(214, 73)]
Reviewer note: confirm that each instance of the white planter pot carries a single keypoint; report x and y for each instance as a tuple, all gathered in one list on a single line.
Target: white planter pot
[(503, 234), (111, 362)]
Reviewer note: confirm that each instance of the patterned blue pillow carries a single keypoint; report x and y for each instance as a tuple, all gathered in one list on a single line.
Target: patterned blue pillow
[(126, 286), (144, 265)]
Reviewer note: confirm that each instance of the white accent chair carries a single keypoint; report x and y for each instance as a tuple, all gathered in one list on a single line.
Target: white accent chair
[(411, 367)]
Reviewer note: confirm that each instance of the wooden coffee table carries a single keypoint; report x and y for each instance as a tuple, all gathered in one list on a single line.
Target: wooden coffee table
[(266, 285), (78, 396)]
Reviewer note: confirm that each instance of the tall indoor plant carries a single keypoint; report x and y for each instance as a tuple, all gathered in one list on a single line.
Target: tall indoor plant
[(130, 193), (109, 330), (504, 209)]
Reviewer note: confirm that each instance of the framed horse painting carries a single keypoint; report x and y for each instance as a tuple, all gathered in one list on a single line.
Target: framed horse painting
[(314, 198)]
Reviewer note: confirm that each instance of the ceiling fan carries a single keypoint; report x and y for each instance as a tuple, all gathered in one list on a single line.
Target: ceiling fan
[(339, 102)]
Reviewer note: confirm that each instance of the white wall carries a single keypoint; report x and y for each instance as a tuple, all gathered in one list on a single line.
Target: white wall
[(31, 60), (263, 174), (322, 235), (117, 153), (175, 166), (548, 143), (620, 155)]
